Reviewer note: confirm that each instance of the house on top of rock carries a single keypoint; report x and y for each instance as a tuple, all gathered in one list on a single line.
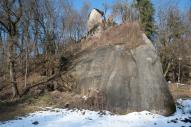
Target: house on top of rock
[(95, 20)]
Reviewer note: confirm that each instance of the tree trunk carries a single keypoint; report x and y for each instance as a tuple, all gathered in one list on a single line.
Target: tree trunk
[(26, 65), (167, 69), (12, 68), (13, 80)]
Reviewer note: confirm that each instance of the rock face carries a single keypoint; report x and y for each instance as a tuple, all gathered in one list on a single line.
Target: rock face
[(95, 19), (129, 79)]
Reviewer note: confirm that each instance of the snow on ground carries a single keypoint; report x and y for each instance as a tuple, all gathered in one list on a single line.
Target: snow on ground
[(84, 118)]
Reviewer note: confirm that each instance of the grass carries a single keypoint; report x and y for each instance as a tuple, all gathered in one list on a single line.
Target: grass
[(180, 91), (129, 34), (21, 107)]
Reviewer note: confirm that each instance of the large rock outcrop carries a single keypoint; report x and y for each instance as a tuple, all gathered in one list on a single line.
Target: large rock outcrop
[(95, 22), (94, 18), (130, 79)]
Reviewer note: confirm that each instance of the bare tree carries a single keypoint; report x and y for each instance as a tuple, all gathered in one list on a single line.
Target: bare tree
[(120, 9), (34, 35), (11, 12), (106, 7), (173, 43)]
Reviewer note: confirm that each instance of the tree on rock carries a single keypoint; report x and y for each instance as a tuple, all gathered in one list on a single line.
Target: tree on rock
[(146, 11)]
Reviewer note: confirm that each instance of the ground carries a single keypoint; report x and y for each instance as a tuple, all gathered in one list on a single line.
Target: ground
[(51, 117), (9, 110), (180, 90)]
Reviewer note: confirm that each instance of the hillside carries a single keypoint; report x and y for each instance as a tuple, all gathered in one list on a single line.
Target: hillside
[(60, 89)]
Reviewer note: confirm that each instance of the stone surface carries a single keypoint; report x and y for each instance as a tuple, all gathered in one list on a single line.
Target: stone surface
[(95, 18), (131, 79)]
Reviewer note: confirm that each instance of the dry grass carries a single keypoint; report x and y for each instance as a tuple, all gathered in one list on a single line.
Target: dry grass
[(9, 110), (180, 91), (20, 107), (129, 34)]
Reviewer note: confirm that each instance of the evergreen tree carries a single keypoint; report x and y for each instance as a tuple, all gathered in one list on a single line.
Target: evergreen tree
[(146, 11)]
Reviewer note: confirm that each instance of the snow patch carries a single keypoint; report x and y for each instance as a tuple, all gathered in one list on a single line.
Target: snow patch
[(84, 118), (85, 98)]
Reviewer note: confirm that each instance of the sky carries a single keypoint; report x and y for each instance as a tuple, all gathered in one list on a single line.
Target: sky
[(182, 4)]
